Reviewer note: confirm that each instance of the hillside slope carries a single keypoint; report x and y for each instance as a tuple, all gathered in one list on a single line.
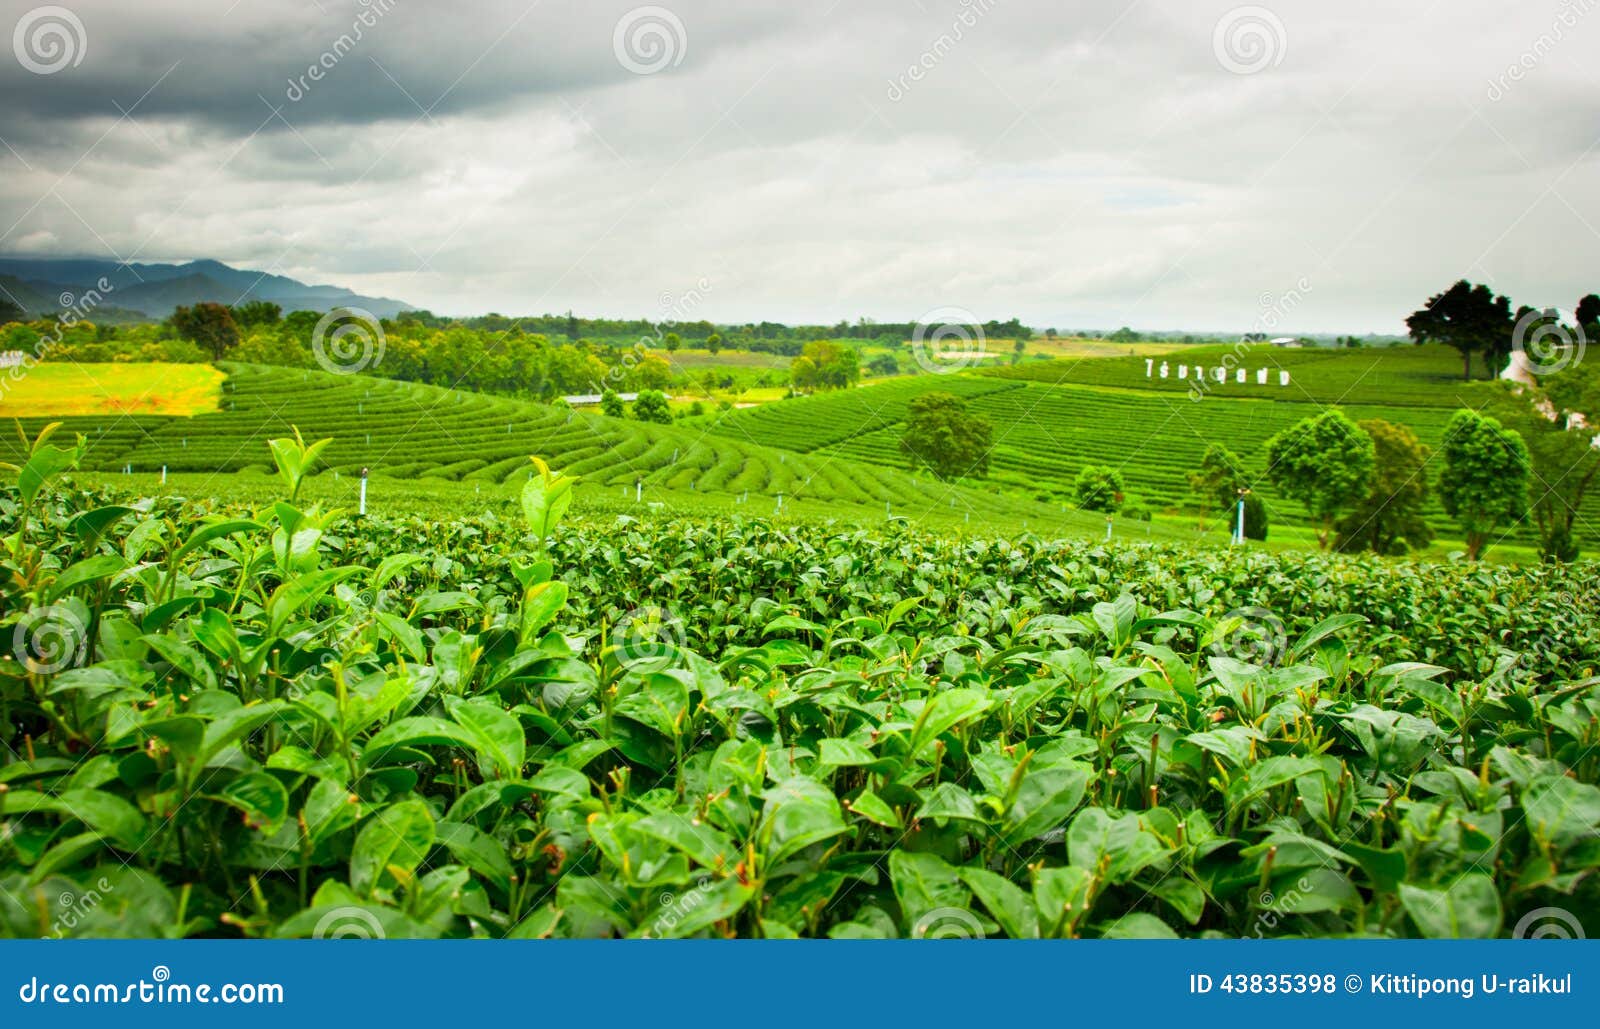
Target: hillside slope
[(417, 433)]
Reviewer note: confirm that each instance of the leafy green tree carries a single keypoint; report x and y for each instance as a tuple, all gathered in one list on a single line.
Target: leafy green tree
[(1125, 335), (209, 326), (1484, 484), (1470, 319), (1587, 314), (884, 365), (611, 405), (942, 436), (1325, 463), (1098, 488), (1018, 348), (652, 372), (651, 406), (714, 344), (824, 364), (672, 342), (1565, 464), (1218, 479), (1388, 520), (256, 312)]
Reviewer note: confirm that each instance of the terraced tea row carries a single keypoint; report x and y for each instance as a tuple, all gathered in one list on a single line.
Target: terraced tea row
[(1401, 376), (410, 431)]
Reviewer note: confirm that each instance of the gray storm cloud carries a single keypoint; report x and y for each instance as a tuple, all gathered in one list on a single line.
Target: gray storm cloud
[(1158, 163)]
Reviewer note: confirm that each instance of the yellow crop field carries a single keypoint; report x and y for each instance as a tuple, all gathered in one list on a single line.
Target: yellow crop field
[(53, 389)]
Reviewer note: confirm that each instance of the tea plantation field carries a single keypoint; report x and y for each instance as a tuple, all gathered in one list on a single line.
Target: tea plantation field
[(273, 720), (420, 437), (1051, 419)]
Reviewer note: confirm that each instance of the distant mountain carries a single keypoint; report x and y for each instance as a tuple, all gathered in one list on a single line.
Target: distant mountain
[(155, 289)]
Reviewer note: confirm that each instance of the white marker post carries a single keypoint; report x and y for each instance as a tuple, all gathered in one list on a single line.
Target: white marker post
[(1238, 532), (1108, 528), (363, 508), (163, 475), (638, 490)]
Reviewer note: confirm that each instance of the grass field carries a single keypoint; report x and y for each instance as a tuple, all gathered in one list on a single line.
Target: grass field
[(57, 389)]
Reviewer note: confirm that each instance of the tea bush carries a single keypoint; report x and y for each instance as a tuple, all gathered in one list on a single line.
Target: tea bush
[(290, 722)]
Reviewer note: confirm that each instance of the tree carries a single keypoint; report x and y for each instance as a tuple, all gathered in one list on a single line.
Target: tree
[(256, 312), (652, 373), (824, 364), (1125, 335), (1471, 319), (714, 344), (1388, 520), (1098, 488), (611, 405), (651, 406), (1587, 313), (1018, 348), (1323, 462), (673, 342), (11, 311), (943, 437), (1218, 479), (1484, 484), (208, 325), (884, 365), (1554, 423)]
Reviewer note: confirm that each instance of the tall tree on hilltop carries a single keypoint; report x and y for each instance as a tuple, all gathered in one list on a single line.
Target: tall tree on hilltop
[(1470, 319)]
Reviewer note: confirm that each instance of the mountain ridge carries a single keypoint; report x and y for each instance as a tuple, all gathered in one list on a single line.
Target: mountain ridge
[(155, 289)]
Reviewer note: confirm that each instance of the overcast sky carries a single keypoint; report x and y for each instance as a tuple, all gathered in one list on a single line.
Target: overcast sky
[(1157, 163)]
